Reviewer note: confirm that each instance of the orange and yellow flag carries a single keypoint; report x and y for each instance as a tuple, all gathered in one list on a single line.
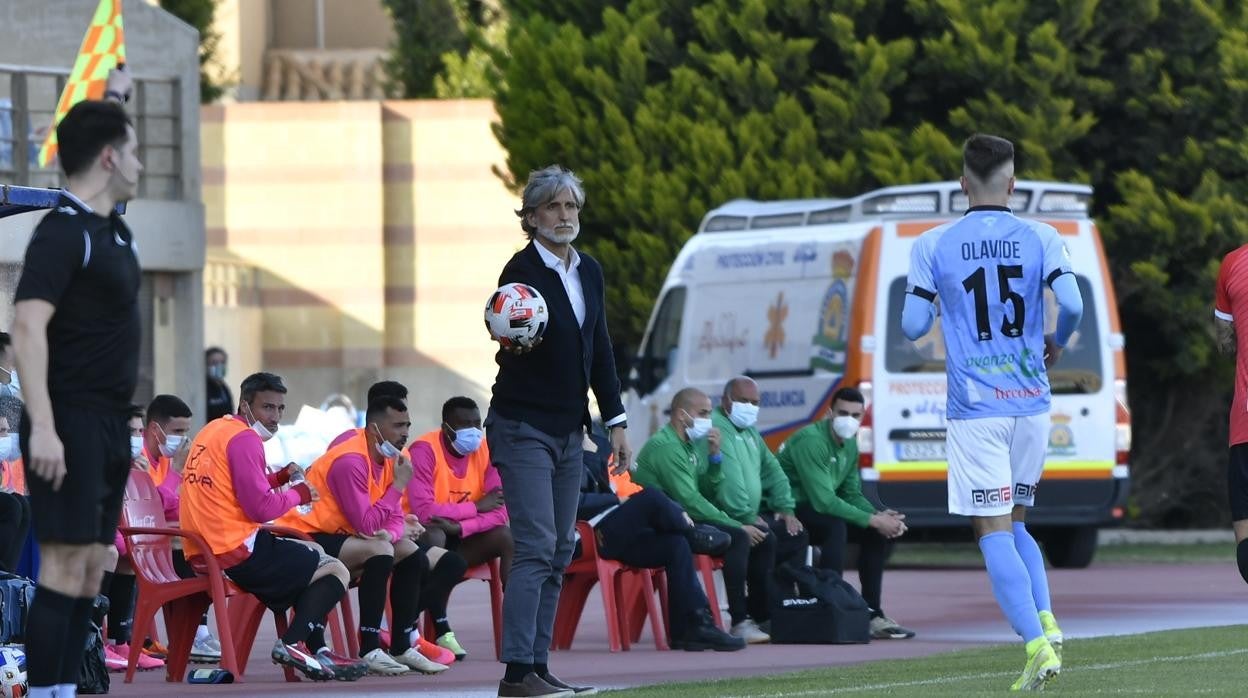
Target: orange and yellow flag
[(103, 47)]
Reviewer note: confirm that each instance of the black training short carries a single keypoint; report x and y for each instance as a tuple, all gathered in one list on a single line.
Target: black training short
[(1237, 482), (331, 542), (97, 462), (277, 572)]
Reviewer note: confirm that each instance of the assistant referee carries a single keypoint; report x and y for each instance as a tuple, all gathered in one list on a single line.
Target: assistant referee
[(76, 335)]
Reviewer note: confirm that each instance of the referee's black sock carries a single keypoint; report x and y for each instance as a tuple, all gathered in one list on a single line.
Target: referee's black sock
[(75, 641), (313, 605), (1242, 555), (46, 626)]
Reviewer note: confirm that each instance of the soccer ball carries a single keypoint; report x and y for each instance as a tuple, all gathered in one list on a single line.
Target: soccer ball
[(516, 315), (12, 672)]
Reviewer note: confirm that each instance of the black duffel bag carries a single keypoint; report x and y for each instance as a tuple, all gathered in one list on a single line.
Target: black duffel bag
[(811, 606)]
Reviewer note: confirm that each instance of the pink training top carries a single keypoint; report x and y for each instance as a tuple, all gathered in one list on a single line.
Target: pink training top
[(420, 492), (348, 482), (340, 438), (255, 488)]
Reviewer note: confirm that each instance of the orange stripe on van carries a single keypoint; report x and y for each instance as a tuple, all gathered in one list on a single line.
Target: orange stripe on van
[(1111, 303), (913, 229), (862, 319), (939, 475), (1065, 227)]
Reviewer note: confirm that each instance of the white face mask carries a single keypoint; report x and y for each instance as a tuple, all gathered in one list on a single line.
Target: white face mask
[(9, 448), (171, 444), (744, 414), (699, 429), (388, 450), (136, 446), (845, 426), (467, 440), (256, 426)]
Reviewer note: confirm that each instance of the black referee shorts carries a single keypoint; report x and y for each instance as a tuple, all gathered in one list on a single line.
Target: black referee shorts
[(97, 462), (1237, 482)]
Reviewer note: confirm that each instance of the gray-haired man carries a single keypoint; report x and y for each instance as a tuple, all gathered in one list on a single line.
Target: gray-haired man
[(536, 421)]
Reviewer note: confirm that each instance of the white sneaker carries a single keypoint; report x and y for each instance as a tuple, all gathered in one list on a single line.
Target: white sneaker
[(206, 650), (749, 631), (382, 664), (414, 659)]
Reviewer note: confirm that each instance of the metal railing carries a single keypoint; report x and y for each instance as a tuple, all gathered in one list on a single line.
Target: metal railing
[(28, 97)]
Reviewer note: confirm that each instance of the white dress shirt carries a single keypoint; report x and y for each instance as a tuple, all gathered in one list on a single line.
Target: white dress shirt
[(570, 277)]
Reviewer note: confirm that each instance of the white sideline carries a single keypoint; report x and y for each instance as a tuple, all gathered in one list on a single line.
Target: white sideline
[(988, 675)]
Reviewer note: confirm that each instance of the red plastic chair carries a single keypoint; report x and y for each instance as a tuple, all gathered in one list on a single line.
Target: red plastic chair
[(707, 566), (488, 572), (621, 585), (184, 601)]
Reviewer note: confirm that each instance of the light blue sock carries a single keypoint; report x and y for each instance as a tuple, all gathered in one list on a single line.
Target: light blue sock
[(1029, 550), (1011, 584)]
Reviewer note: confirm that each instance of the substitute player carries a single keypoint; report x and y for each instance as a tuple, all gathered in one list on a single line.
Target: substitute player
[(76, 335), (1231, 301), (989, 269)]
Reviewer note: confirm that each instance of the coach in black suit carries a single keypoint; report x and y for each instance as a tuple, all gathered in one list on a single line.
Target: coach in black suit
[(537, 416)]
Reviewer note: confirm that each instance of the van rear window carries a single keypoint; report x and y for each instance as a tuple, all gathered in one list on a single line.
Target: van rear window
[(1079, 371)]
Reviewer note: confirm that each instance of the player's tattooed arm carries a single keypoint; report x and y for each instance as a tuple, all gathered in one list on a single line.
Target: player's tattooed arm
[(1225, 330)]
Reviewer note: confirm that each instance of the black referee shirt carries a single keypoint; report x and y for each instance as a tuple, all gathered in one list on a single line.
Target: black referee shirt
[(87, 266)]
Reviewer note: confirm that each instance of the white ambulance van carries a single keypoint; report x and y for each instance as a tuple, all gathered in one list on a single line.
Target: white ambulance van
[(805, 296)]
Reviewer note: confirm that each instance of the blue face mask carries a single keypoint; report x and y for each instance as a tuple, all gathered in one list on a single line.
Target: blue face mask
[(467, 440)]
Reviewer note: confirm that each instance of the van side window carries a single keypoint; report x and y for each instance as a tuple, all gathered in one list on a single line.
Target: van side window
[(658, 355), (1079, 371)]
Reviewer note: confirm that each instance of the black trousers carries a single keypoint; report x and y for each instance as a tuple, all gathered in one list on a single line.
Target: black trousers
[(751, 567), (832, 533), (647, 530)]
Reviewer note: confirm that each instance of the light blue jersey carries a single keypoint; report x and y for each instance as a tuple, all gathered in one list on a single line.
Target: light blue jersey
[(989, 269)]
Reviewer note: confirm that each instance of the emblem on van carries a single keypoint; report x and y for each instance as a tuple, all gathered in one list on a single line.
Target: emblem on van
[(828, 350), (776, 315), (1061, 436)]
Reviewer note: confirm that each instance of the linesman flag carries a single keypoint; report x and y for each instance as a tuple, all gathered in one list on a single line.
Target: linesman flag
[(103, 47)]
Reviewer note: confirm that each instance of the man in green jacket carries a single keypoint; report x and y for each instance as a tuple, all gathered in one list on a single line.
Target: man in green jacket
[(821, 461), (673, 460), (746, 482)]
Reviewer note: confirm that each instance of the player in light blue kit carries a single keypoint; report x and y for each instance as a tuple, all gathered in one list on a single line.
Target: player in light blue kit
[(989, 269)]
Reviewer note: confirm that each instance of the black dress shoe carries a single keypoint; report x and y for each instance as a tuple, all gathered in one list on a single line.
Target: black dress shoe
[(708, 540), (576, 690), (703, 635), (532, 686)]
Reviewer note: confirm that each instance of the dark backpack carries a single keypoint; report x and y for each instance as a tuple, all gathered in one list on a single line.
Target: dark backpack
[(16, 595), (816, 606)]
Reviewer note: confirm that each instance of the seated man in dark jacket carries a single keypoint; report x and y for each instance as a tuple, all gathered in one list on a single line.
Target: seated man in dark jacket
[(644, 528)]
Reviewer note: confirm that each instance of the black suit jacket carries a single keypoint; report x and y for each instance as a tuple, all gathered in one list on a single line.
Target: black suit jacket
[(547, 388)]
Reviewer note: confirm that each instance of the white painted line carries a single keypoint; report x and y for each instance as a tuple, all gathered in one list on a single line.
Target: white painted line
[(989, 675)]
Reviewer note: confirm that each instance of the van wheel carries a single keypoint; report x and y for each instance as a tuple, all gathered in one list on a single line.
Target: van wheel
[(1071, 547)]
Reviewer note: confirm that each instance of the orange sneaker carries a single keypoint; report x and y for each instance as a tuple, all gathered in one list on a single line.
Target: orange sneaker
[(437, 653), (154, 649)]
